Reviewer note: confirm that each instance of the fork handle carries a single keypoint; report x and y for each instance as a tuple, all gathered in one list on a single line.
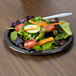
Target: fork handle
[(57, 16)]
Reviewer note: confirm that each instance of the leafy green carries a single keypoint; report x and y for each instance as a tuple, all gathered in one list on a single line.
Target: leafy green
[(40, 36), (11, 28), (13, 36), (47, 45), (21, 32), (34, 35), (42, 32), (37, 19), (55, 32), (54, 46), (61, 36), (37, 48), (27, 36), (46, 20), (65, 26), (65, 31), (27, 23)]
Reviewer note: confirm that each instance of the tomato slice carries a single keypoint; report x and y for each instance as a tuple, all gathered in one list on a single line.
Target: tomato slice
[(17, 27), (49, 27), (30, 43)]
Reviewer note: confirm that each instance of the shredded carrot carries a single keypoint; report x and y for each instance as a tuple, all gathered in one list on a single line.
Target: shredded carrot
[(58, 23), (43, 23), (32, 22), (45, 41)]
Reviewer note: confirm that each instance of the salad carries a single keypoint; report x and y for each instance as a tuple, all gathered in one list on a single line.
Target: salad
[(35, 33)]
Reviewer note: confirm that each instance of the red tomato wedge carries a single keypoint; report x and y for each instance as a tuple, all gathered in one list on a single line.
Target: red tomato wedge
[(30, 43), (49, 27), (17, 27)]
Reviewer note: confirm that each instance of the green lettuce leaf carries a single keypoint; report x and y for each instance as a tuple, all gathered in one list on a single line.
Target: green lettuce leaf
[(41, 34), (37, 19), (27, 23), (21, 32), (54, 46), (47, 45), (26, 34), (65, 26), (13, 36), (34, 35), (37, 48), (47, 21), (29, 36), (61, 36), (65, 31)]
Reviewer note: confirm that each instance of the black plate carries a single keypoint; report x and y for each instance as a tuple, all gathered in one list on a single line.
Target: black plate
[(15, 48)]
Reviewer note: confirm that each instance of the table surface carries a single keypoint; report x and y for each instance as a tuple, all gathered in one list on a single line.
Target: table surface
[(16, 64)]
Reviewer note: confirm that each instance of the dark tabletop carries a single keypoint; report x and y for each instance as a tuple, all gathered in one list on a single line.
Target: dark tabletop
[(16, 64)]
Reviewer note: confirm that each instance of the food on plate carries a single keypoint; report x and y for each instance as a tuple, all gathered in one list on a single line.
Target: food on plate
[(35, 33)]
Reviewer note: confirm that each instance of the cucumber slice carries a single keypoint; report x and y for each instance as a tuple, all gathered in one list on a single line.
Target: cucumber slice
[(30, 27)]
